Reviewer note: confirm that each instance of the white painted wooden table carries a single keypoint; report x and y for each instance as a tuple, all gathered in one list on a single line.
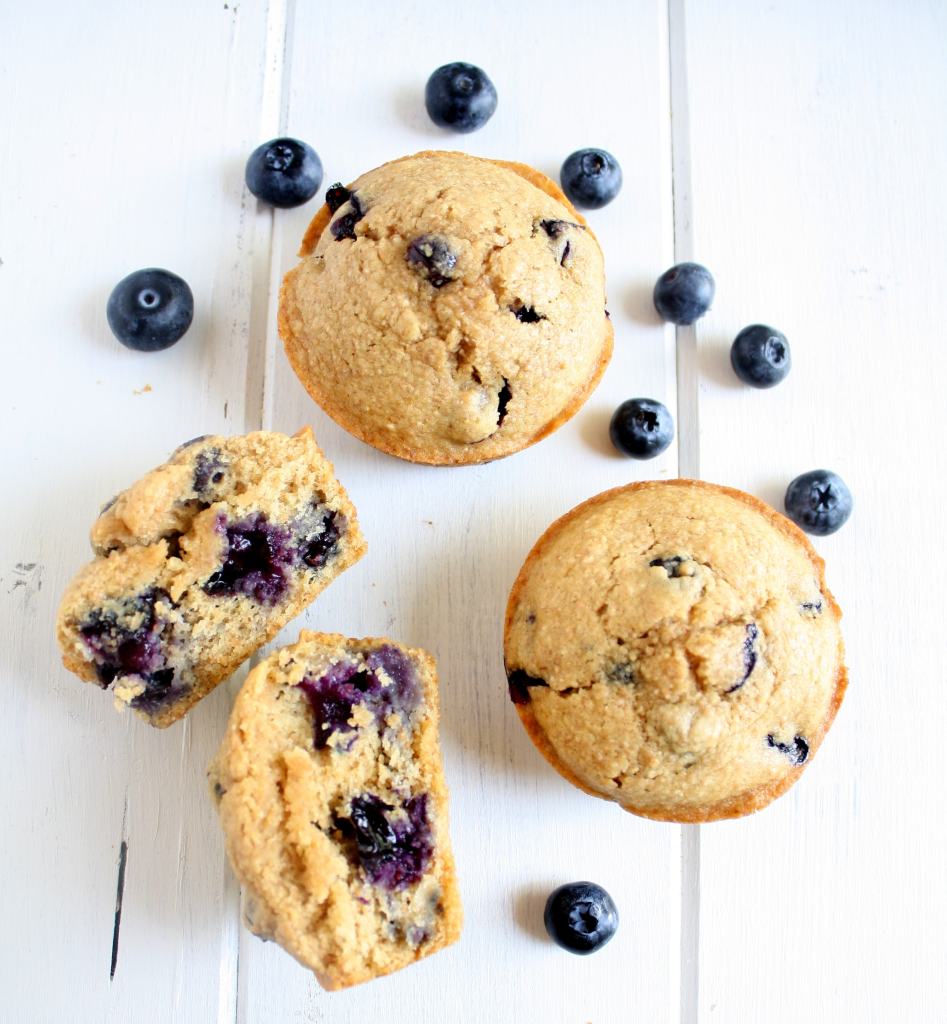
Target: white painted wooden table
[(796, 148)]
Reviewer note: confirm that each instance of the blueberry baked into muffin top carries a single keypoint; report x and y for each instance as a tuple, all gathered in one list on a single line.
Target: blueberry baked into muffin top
[(448, 309), (201, 562), (334, 808), (672, 646)]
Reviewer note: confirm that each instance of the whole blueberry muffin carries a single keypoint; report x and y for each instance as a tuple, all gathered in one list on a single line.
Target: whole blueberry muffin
[(673, 647), (200, 563), (448, 309), (334, 807)]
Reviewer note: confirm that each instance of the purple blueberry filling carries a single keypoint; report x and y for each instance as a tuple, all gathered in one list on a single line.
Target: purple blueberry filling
[(526, 314), (344, 226), (520, 683), (119, 650), (797, 751), (256, 562), (554, 228), (620, 672), (749, 655), (208, 471), (812, 607), (433, 259), (392, 851), (337, 691)]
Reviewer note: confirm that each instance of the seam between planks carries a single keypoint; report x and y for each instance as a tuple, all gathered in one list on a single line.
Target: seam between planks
[(263, 340), (688, 459)]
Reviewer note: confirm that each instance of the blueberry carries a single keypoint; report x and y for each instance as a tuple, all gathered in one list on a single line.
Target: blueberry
[(520, 682), (760, 356), (797, 751), (393, 853), (684, 293), (641, 428), (150, 309), (433, 258), (344, 226), (581, 917), (317, 548), (256, 563), (749, 655), (818, 501), (284, 172), (460, 96), (591, 178), (671, 565), (526, 314)]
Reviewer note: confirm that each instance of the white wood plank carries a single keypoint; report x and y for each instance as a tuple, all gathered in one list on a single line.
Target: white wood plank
[(445, 545), (125, 132), (817, 158)]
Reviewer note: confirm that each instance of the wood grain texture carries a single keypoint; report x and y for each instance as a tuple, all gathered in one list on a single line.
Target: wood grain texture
[(817, 207)]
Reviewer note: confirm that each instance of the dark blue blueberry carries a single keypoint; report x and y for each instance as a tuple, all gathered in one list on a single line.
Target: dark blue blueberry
[(432, 257), (520, 683), (581, 917), (208, 471), (256, 561), (641, 428), (526, 314), (620, 672), (818, 501), (318, 547), (591, 178), (555, 228), (284, 172), (150, 309), (118, 650), (344, 226), (812, 607), (460, 96), (797, 751), (672, 565), (684, 293), (393, 851), (337, 195), (503, 400), (760, 356), (749, 655)]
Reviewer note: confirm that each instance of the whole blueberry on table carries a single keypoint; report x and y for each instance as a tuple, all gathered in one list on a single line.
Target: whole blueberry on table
[(150, 309), (284, 172), (580, 917), (641, 428), (818, 501), (460, 96), (760, 356), (590, 178), (684, 293)]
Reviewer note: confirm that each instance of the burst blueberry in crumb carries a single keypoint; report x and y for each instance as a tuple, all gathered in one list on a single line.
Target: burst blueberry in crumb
[(432, 257), (118, 651), (208, 470), (258, 555), (284, 172), (684, 293), (526, 314), (520, 683), (319, 547), (150, 310), (749, 655), (641, 428), (672, 565), (580, 917), (760, 356), (392, 849), (337, 196), (797, 751), (460, 96), (818, 501), (591, 178), (344, 226)]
